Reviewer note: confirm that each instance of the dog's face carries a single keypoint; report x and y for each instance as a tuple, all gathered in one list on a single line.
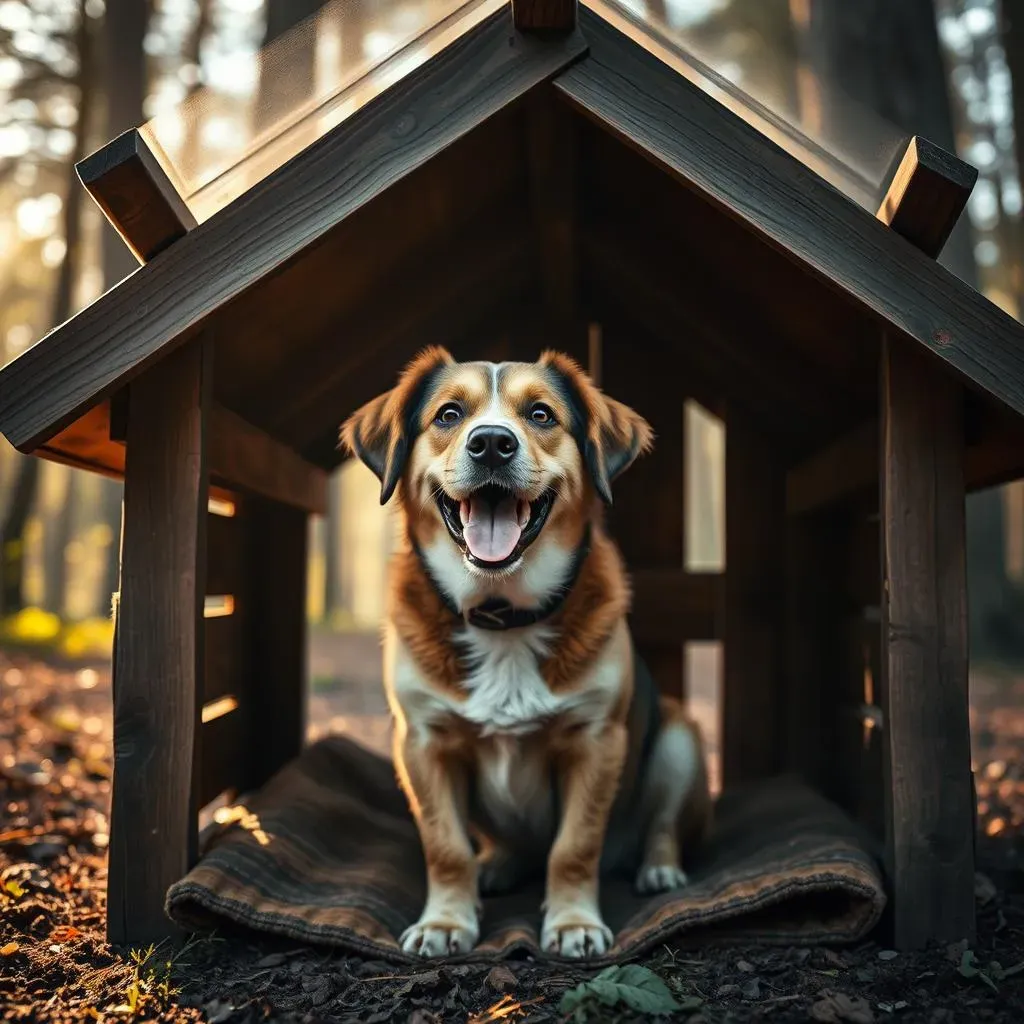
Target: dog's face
[(493, 455)]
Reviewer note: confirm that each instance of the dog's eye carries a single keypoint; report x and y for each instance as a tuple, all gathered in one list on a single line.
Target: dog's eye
[(542, 415), (448, 415)]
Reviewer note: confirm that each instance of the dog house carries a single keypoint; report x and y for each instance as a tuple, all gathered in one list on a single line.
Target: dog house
[(515, 177)]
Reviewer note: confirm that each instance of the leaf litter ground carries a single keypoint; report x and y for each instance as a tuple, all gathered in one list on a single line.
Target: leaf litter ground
[(55, 744)]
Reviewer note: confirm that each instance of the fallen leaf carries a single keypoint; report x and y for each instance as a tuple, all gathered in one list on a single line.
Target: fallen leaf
[(13, 889), (9, 949), (64, 933), (501, 979), (630, 985)]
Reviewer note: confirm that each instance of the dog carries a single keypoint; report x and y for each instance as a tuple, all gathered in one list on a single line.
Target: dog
[(528, 737)]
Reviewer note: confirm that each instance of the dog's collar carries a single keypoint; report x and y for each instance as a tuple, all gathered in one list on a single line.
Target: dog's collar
[(497, 614)]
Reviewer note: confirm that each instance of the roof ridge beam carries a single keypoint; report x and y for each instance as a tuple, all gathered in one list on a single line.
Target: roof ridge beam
[(544, 15)]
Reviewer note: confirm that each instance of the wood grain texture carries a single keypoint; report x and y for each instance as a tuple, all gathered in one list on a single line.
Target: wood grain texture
[(153, 310), (243, 456), (276, 632), (924, 652), (651, 107), (550, 15), (158, 660), (136, 196), (753, 600), (927, 195)]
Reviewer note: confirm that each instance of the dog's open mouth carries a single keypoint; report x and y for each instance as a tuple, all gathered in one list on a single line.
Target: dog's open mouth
[(493, 526)]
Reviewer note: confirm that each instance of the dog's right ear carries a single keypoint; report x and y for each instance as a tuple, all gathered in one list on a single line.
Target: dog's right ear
[(382, 432)]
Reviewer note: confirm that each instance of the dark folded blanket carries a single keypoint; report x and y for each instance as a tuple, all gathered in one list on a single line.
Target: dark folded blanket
[(330, 854)]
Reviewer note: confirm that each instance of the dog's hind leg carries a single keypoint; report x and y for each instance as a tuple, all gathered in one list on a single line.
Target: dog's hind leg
[(676, 802)]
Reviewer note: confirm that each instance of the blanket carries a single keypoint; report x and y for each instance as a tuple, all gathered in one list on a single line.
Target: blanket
[(328, 853)]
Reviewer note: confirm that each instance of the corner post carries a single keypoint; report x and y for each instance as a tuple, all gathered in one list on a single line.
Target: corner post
[(158, 656), (927, 753)]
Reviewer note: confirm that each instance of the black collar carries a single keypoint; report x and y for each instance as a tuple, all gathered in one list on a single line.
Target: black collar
[(497, 614)]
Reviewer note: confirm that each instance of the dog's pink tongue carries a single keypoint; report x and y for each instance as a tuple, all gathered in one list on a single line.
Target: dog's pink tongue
[(491, 531)]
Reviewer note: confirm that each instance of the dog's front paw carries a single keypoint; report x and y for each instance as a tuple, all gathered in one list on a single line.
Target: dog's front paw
[(575, 932), (433, 935), (653, 878)]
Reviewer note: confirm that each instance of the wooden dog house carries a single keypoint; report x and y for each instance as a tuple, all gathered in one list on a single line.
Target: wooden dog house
[(540, 175)]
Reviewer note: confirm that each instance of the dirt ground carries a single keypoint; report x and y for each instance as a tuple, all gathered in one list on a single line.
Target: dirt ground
[(55, 747)]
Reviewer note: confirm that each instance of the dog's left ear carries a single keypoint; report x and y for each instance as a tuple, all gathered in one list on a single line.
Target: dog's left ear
[(382, 432), (610, 434)]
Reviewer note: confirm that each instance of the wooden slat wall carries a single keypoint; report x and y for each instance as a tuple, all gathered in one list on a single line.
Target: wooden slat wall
[(227, 668)]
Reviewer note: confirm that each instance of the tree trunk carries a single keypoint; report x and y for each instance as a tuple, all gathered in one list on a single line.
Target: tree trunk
[(13, 535), (885, 54), (26, 486), (125, 85)]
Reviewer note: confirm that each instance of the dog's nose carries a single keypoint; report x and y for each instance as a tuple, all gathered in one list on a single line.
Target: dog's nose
[(491, 446)]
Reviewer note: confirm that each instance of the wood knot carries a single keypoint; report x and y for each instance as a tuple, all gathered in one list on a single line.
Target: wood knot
[(942, 338)]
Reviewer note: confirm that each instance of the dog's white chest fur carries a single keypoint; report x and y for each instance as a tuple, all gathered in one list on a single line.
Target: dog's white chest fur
[(507, 693)]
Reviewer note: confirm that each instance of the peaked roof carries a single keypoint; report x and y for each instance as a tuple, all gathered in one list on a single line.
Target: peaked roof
[(469, 67)]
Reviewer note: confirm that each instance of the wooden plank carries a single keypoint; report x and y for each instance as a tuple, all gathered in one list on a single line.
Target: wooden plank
[(550, 15), (924, 652), (672, 606), (753, 601), (246, 457), (158, 660), (136, 196), (130, 326), (646, 103), (276, 632), (927, 195)]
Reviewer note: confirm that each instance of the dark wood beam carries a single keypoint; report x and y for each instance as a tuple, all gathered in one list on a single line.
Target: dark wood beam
[(158, 650), (651, 106), (128, 184), (148, 315), (927, 195), (924, 651), (136, 196), (550, 15), (243, 456)]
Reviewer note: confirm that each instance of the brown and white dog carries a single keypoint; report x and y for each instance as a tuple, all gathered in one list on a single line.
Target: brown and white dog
[(527, 734)]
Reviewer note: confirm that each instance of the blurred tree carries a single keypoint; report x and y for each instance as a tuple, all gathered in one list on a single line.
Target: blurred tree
[(65, 63), (125, 84)]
